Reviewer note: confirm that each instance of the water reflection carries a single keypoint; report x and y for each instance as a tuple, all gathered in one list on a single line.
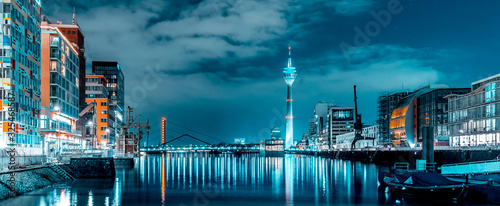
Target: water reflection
[(227, 179)]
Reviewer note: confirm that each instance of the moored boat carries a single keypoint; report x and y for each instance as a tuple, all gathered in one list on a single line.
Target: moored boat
[(426, 185)]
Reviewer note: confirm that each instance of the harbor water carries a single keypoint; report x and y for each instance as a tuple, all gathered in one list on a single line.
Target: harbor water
[(204, 179)]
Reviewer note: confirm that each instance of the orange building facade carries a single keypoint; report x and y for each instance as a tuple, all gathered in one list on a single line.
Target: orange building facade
[(102, 121), (59, 93), (96, 92)]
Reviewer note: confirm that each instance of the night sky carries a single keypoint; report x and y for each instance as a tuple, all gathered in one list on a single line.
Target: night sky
[(215, 66)]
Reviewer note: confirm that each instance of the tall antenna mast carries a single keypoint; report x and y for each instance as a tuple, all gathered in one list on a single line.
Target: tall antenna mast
[(74, 15)]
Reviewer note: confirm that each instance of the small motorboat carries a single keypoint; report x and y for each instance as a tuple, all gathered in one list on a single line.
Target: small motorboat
[(426, 185)]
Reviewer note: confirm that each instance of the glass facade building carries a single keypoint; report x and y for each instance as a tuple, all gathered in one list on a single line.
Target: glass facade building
[(474, 118), (20, 74), (60, 92), (97, 92), (387, 102), (425, 107), (432, 112), (340, 121), (116, 92)]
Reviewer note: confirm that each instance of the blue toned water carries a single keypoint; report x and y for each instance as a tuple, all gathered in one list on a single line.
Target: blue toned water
[(226, 179)]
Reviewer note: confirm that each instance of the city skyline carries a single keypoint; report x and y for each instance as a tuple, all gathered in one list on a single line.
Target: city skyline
[(216, 72), (185, 102)]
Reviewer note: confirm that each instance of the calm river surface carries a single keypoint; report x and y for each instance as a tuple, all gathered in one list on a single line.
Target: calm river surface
[(224, 179)]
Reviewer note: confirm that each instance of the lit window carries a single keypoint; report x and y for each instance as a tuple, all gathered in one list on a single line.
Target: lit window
[(63, 70), (53, 65)]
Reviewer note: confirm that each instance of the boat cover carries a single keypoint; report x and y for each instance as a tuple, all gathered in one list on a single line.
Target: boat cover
[(423, 179)]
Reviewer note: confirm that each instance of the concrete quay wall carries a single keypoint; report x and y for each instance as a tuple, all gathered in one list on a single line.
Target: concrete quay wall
[(90, 167), (124, 162), (389, 157)]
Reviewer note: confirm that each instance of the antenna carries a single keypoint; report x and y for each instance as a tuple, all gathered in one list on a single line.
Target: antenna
[(74, 8), (289, 56)]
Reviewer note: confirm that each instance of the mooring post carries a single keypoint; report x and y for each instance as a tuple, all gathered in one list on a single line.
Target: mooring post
[(428, 144)]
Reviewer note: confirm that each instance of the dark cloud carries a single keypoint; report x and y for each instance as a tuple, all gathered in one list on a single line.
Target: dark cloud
[(218, 63)]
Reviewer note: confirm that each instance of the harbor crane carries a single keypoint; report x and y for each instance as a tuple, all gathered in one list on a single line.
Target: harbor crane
[(131, 133), (358, 125)]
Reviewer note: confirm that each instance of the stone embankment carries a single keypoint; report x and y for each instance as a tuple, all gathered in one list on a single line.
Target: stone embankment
[(17, 182)]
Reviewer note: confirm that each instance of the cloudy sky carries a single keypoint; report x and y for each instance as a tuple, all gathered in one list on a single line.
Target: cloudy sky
[(215, 66)]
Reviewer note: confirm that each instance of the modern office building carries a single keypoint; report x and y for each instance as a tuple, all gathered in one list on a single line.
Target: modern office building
[(320, 134), (20, 75), (432, 112), (474, 118), (323, 141), (312, 126), (74, 35), (328, 122), (344, 141), (387, 102), (425, 107), (116, 92), (340, 121), (274, 147), (59, 94), (96, 93), (289, 75), (275, 133)]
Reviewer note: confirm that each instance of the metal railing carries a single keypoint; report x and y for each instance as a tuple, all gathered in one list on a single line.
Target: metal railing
[(402, 166)]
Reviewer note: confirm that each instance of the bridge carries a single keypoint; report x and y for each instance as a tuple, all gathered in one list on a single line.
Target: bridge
[(165, 147), (202, 148)]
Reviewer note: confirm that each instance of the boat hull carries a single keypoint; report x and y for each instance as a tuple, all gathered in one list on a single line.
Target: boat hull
[(453, 193)]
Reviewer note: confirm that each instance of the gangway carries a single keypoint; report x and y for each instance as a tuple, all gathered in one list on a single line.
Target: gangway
[(479, 167)]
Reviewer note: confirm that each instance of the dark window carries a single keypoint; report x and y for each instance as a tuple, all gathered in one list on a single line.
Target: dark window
[(6, 7)]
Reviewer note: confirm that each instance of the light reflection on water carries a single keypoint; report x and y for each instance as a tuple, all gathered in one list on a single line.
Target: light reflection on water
[(204, 179)]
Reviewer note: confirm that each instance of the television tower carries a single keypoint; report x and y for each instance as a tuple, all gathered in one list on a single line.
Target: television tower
[(289, 75)]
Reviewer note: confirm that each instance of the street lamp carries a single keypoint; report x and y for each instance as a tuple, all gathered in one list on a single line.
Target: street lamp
[(90, 124), (57, 109)]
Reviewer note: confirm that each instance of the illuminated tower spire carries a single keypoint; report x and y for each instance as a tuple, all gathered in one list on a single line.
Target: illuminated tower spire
[(289, 75)]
